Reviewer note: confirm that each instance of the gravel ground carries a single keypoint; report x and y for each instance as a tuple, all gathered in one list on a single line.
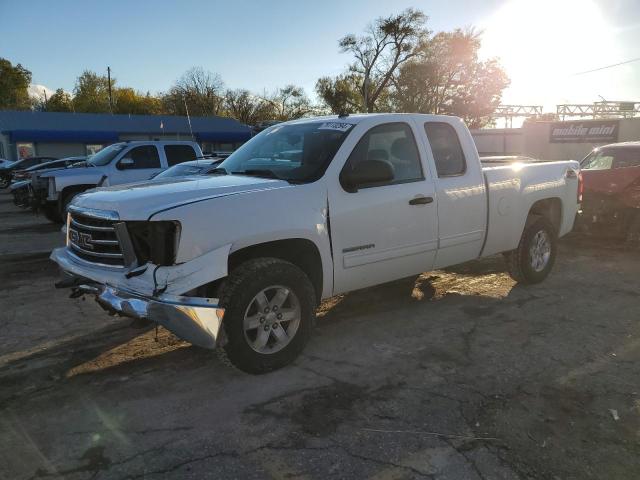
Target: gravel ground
[(459, 374)]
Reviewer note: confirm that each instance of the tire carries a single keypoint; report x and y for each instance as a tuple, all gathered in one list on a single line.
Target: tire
[(52, 213), (633, 232), (241, 296), (4, 182), (65, 200), (529, 267)]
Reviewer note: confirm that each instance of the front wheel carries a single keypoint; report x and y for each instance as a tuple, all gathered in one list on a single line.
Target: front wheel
[(533, 260), (633, 232), (4, 181), (52, 213), (65, 200), (269, 314)]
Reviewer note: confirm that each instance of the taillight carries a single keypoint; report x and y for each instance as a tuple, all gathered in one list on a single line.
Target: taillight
[(580, 187)]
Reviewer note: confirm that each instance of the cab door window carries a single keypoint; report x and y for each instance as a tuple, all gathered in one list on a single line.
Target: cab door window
[(393, 143), (626, 157), (145, 156)]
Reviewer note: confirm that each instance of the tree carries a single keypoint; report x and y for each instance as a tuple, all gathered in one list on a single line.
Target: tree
[(127, 100), (246, 107), (14, 86), (288, 103), (91, 93), (388, 43), (446, 77), (202, 91), (341, 94), (59, 102)]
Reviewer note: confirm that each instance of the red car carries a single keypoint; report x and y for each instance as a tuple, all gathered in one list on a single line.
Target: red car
[(611, 196)]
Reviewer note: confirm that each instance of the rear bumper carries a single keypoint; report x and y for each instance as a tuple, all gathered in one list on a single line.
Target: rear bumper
[(194, 319)]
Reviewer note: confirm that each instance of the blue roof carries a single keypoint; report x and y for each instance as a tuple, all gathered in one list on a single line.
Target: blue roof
[(99, 127)]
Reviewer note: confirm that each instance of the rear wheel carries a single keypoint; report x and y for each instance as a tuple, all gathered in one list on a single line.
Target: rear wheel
[(269, 314), (533, 260), (4, 181)]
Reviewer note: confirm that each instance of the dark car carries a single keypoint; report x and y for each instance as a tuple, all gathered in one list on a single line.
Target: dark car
[(7, 170), (611, 195), (22, 178), (23, 174)]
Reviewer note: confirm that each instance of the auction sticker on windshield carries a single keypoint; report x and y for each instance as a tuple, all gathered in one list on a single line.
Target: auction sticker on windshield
[(341, 127)]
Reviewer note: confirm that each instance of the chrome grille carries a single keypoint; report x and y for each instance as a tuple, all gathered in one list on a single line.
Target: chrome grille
[(94, 239)]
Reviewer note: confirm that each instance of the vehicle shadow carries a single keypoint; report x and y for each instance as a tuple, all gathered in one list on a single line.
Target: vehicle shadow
[(412, 291), (121, 351)]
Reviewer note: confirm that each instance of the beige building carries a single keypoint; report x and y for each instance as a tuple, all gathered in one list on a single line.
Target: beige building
[(569, 140)]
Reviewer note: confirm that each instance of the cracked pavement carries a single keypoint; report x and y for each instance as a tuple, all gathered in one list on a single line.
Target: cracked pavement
[(458, 374)]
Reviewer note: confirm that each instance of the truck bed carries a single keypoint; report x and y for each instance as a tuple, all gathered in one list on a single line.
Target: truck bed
[(513, 187), (508, 159)]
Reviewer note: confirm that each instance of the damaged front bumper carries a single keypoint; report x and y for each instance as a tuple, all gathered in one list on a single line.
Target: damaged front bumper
[(194, 319)]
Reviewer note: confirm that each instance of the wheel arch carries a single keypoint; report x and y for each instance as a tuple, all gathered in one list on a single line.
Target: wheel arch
[(550, 208), (78, 188), (301, 252), (72, 189)]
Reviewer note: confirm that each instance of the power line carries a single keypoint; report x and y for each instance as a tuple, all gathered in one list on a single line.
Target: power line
[(608, 66)]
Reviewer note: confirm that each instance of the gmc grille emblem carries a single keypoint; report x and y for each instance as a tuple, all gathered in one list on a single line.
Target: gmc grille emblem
[(81, 239)]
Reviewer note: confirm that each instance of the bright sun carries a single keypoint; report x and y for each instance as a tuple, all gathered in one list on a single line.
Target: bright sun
[(542, 43)]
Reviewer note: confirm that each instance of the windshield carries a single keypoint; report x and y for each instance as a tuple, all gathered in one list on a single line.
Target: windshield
[(292, 152), (42, 166), (182, 170), (24, 163), (107, 154), (611, 158)]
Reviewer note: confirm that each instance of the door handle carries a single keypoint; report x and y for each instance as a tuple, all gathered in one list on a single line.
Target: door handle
[(421, 201)]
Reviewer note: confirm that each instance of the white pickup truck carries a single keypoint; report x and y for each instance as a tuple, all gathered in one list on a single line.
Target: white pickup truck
[(119, 163), (303, 211)]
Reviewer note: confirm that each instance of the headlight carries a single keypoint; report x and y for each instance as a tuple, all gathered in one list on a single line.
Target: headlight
[(155, 242)]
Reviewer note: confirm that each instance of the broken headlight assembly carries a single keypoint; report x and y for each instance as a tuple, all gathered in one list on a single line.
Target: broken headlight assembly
[(155, 242)]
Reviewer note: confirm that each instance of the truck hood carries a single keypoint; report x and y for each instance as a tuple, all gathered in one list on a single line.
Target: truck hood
[(139, 201), (86, 175)]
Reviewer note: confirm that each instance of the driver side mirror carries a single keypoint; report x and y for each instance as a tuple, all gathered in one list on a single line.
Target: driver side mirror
[(126, 162), (367, 173)]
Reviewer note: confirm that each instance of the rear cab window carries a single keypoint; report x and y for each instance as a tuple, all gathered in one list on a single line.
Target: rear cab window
[(179, 153), (447, 151)]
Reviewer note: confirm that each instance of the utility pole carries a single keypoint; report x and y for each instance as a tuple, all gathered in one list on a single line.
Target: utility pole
[(45, 100), (110, 98), (365, 87)]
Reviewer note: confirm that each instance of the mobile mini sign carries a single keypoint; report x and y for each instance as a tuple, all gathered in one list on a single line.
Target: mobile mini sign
[(605, 131)]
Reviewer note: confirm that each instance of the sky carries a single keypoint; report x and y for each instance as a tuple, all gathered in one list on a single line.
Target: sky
[(261, 45)]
